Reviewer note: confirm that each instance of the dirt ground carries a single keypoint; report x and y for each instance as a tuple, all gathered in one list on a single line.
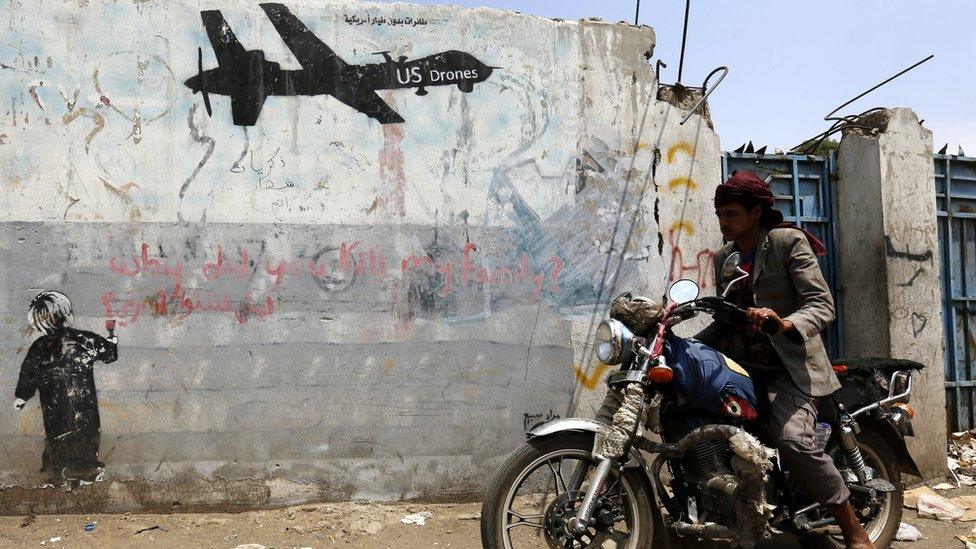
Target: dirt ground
[(323, 525), (319, 525)]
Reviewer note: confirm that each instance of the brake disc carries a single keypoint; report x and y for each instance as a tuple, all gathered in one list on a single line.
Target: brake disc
[(557, 516)]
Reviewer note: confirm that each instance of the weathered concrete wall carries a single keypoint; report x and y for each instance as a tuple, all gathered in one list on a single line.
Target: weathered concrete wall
[(890, 265), (321, 305), (683, 186)]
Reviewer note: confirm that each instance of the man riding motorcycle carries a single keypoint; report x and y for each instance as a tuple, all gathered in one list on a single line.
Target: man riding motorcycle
[(790, 366), (677, 449)]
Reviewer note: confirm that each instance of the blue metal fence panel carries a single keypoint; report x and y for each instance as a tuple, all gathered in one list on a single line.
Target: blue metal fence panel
[(955, 192), (804, 188)]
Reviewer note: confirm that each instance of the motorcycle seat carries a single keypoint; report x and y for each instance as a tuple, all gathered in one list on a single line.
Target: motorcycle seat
[(867, 364)]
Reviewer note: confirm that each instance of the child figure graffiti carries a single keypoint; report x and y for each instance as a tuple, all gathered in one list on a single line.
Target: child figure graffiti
[(58, 366)]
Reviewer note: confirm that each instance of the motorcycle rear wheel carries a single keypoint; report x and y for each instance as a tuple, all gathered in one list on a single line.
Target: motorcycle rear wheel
[(498, 518), (883, 527)]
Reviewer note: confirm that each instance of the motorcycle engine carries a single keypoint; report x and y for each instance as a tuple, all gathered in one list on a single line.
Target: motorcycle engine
[(708, 458), (708, 469), (725, 473)]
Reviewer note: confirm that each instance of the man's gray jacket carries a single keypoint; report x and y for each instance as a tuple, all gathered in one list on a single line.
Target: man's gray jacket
[(786, 278)]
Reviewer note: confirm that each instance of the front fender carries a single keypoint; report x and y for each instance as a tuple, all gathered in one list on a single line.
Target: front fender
[(636, 461), (577, 424), (568, 424)]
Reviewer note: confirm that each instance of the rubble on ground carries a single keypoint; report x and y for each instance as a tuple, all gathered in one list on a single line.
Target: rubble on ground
[(962, 456)]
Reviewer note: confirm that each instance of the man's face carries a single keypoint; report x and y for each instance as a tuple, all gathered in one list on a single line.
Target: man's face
[(735, 221)]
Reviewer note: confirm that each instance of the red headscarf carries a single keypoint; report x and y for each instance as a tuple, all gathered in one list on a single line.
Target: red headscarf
[(742, 187)]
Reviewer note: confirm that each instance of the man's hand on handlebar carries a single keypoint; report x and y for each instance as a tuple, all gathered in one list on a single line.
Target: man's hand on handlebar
[(767, 321)]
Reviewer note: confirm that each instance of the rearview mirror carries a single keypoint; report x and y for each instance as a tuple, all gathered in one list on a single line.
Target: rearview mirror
[(683, 291), (731, 267), (732, 272)]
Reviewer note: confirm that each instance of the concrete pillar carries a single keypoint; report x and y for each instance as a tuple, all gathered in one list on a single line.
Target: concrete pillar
[(890, 264)]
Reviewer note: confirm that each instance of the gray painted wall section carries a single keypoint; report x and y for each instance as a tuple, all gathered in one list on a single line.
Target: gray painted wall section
[(332, 373)]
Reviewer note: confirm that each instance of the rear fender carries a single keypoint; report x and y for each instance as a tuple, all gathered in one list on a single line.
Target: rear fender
[(853, 395), (906, 464)]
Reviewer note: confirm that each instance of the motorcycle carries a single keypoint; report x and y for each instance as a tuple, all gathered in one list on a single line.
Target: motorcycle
[(642, 474)]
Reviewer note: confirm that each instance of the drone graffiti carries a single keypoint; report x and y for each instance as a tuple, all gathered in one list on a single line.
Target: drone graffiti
[(248, 78)]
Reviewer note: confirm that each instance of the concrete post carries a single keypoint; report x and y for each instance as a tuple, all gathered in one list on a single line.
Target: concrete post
[(890, 264)]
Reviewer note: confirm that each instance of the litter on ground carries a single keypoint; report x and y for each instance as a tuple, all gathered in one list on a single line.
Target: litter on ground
[(420, 519), (907, 532), (936, 506)]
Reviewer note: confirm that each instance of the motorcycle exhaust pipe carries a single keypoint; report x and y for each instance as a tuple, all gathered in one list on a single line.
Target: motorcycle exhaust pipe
[(714, 531)]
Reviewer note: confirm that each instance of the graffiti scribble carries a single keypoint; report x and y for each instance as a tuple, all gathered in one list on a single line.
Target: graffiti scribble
[(196, 136), (96, 118), (907, 254)]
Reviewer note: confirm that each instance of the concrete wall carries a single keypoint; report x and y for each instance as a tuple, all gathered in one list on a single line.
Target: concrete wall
[(890, 264), (321, 306)]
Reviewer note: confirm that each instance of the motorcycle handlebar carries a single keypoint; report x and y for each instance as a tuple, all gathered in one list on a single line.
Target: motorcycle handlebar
[(724, 310)]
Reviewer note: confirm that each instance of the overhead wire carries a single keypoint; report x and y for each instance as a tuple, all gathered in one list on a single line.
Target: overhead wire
[(684, 38), (840, 123)]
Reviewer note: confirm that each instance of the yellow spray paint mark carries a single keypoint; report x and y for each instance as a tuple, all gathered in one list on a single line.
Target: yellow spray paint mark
[(683, 226), (678, 147), (30, 423), (589, 381), (110, 407), (682, 182)]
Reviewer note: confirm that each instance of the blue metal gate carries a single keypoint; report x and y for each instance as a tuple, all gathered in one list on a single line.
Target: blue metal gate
[(804, 189), (955, 188)]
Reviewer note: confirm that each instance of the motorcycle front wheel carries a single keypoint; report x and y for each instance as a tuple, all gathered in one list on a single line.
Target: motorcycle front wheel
[(879, 521), (541, 486)]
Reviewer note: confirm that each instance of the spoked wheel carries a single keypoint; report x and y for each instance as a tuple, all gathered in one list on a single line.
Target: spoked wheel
[(536, 492), (879, 517)]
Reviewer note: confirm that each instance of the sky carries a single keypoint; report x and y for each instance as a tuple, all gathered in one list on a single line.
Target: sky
[(791, 63)]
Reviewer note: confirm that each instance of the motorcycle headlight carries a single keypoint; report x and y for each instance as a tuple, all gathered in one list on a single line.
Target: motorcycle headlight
[(614, 342)]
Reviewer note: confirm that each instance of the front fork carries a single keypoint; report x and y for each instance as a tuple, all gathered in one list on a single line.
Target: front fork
[(579, 523), (617, 444)]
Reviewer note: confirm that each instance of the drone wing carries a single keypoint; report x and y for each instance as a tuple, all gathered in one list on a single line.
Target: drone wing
[(225, 44), (308, 49)]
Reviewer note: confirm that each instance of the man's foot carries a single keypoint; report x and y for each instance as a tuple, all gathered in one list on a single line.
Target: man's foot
[(854, 535)]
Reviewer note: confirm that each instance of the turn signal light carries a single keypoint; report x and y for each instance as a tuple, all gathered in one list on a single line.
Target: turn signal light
[(661, 374), (907, 408)]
